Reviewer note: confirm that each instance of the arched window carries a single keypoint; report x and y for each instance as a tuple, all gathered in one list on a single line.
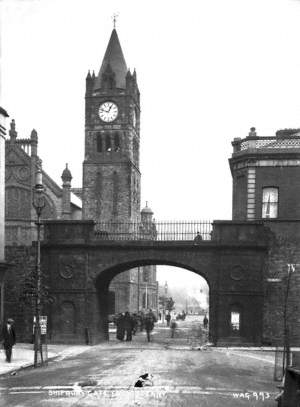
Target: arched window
[(115, 181), (270, 202), (107, 143), (117, 142), (235, 319), (146, 302), (99, 143)]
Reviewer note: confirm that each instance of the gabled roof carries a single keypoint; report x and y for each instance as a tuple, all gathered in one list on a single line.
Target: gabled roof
[(115, 59)]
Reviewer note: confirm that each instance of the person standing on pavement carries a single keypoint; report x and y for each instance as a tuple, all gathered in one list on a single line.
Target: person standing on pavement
[(128, 326), (205, 321), (149, 323), (9, 338), (120, 327), (173, 326), (168, 319), (135, 323)]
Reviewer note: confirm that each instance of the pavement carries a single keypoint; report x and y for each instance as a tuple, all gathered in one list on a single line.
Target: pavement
[(23, 355)]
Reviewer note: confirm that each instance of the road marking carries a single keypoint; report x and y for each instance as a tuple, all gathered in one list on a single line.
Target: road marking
[(57, 387), (167, 389), (26, 387), (26, 392), (246, 354)]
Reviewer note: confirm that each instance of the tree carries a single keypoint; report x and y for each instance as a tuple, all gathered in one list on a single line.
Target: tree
[(281, 269), (166, 302)]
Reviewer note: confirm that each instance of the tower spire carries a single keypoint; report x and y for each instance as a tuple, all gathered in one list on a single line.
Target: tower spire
[(113, 58)]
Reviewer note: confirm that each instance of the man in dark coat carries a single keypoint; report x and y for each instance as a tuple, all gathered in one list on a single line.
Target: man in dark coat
[(128, 326), (205, 321), (9, 338), (168, 319), (120, 327), (149, 323)]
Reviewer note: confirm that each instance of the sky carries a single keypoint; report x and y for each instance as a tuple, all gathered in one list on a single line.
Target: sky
[(207, 72)]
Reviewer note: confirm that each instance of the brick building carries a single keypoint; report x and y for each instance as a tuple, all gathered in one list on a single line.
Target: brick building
[(266, 186)]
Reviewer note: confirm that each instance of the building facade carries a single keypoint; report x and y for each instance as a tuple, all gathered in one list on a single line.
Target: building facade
[(3, 265), (266, 187), (21, 164)]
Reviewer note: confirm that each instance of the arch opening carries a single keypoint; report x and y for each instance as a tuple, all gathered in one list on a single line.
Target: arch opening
[(165, 289)]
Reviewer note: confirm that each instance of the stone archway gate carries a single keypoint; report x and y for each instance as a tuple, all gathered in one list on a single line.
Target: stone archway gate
[(78, 267)]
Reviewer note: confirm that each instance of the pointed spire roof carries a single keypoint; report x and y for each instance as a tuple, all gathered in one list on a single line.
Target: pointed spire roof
[(115, 58)]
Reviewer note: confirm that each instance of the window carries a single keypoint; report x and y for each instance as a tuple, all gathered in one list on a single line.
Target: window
[(107, 143), (99, 143), (146, 274), (235, 320), (117, 142), (146, 301), (270, 203)]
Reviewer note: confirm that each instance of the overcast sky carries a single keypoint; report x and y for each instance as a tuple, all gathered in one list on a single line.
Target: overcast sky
[(207, 72)]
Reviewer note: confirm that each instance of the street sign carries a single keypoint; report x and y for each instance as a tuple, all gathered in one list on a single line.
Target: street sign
[(43, 324)]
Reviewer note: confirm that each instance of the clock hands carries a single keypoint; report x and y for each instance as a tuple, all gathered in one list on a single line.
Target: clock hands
[(106, 111)]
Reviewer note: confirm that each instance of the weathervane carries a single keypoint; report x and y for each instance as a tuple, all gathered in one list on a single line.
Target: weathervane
[(114, 17)]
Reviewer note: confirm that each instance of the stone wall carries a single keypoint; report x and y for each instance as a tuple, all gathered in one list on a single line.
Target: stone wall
[(22, 264), (284, 249)]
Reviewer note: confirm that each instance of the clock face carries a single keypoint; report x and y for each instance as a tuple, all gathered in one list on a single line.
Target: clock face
[(108, 111)]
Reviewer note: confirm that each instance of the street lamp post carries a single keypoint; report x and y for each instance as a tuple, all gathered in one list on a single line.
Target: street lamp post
[(165, 299), (286, 339), (291, 268), (38, 203)]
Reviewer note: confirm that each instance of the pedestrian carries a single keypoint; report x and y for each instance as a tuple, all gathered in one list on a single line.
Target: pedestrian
[(135, 323), (173, 326), (168, 319), (151, 313), (205, 321), (120, 327), (128, 326), (149, 323), (159, 316), (198, 238), (9, 338)]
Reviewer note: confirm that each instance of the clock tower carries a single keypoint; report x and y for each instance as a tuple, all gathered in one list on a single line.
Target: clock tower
[(111, 176)]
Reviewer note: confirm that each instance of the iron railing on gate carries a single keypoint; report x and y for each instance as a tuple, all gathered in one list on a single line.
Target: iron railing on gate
[(154, 230)]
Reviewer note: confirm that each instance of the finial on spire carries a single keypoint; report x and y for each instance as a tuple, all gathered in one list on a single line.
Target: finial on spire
[(114, 17), (12, 132), (66, 175)]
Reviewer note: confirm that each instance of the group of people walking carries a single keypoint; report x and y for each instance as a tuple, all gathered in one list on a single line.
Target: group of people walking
[(128, 324)]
